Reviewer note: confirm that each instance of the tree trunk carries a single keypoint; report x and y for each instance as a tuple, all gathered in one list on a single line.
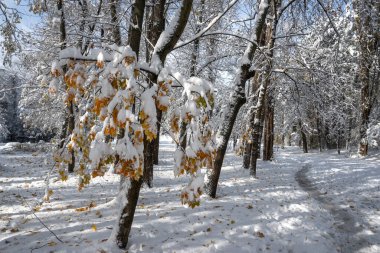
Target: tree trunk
[(162, 52), (83, 39), (303, 138), (114, 5), (338, 143), (62, 25), (256, 121), (269, 128), (366, 51), (247, 155), (129, 186), (348, 132), (282, 127), (183, 135), (125, 219), (63, 134), (319, 132), (260, 106), (155, 26), (261, 129), (237, 99), (69, 123), (148, 162)]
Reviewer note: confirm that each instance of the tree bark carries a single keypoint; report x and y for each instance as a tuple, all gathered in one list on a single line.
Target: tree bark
[(237, 99), (256, 121), (70, 128), (69, 122), (260, 106), (366, 51), (155, 26), (251, 92), (114, 5), (125, 220), (338, 143), (269, 127), (82, 26), (303, 138), (247, 155), (213, 174)]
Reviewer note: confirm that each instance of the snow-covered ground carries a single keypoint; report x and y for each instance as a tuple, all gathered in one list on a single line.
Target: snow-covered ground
[(300, 203)]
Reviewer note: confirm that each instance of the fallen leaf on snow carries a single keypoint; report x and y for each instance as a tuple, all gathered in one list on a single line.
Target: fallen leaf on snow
[(52, 243)]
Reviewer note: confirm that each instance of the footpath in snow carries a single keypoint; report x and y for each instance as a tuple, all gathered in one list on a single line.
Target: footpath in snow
[(299, 203)]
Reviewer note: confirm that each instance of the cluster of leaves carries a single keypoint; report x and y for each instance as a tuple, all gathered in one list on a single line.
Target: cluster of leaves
[(200, 150), (116, 110)]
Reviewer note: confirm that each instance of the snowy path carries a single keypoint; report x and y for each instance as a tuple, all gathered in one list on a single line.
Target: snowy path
[(269, 214), (345, 224), (350, 189)]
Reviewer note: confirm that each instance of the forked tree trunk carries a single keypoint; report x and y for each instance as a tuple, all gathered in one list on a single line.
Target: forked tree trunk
[(163, 51), (237, 99)]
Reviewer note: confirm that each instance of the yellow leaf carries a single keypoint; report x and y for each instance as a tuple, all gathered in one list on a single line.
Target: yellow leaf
[(52, 243), (93, 227), (82, 209)]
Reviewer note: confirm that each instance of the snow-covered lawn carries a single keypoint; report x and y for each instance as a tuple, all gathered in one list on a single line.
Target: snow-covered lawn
[(270, 214)]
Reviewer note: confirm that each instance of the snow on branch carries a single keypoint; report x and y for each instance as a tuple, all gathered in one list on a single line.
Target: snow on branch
[(208, 27), (171, 34)]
